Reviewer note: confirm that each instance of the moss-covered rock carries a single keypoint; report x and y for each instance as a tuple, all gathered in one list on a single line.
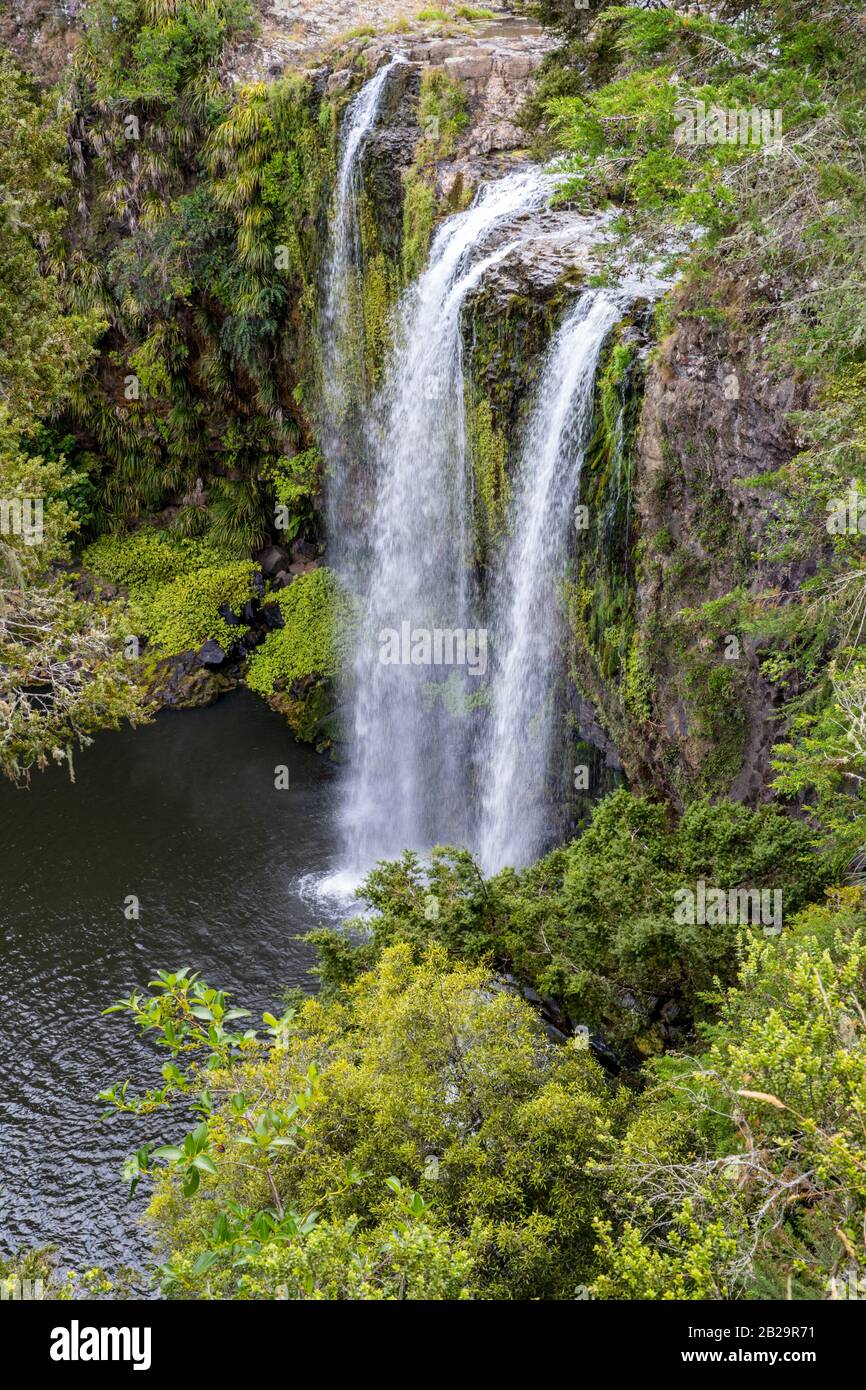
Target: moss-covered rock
[(296, 666)]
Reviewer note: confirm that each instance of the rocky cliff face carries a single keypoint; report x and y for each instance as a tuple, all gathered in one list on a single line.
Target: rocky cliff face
[(41, 33), (494, 61), (688, 706), (669, 693), (660, 684)]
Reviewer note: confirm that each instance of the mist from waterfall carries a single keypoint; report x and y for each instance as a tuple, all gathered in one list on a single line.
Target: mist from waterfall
[(524, 622)]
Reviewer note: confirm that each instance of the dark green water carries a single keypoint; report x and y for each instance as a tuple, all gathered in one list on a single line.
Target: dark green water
[(183, 814)]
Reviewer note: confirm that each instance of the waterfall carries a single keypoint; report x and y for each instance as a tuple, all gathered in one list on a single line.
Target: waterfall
[(410, 778), (520, 732), (427, 762), (341, 323)]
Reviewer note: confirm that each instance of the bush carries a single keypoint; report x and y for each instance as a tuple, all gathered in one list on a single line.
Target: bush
[(176, 587), (147, 557), (594, 924), (184, 613), (426, 1076), (744, 1172), (318, 616)]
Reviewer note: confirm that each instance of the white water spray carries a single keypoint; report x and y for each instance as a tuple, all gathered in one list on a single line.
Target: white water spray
[(400, 517), (514, 767), (340, 324), (410, 781)]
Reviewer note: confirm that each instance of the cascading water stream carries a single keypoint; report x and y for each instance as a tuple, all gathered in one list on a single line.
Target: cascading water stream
[(400, 520), (520, 735), (410, 781), (341, 319)]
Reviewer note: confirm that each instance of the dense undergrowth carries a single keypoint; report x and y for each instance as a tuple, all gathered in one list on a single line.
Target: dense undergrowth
[(415, 1134)]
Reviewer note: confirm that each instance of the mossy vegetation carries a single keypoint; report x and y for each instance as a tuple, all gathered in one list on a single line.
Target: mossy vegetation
[(442, 116), (211, 292), (176, 588), (317, 617), (417, 1131), (296, 665), (488, 448)]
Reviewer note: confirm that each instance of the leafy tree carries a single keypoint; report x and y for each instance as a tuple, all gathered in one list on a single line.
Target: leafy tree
[(61, 672), (313, 1147), (824, 759), (42, 347)]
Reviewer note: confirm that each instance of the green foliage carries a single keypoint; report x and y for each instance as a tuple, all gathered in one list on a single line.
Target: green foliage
[(442, 111), (637, 683), (297, 486), (419, 217), (824, 757), (32, 1275), (145, 558), (161, 54), (239, 516), (595, 923), (184, 614), (607, 651), (488, 448), (744, 1171), (37, 519), (211, 290), (42, 346), (317, 617), (785, 227), (306, 1168), (378, 292), (176, 587), (442, 116), (61, 674), (62, 678), (623, 136)]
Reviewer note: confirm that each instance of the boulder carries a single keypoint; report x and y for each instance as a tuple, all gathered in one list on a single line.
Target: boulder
[(211, 654), (273, 616), (181, 682), (228, 616), (469, 67), (274, 558)]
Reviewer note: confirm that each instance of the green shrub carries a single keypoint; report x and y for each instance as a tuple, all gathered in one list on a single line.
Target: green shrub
[(427, 1077), (146, 557), (744, 1171), (184, 613), (318, 616), (594, 924)]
